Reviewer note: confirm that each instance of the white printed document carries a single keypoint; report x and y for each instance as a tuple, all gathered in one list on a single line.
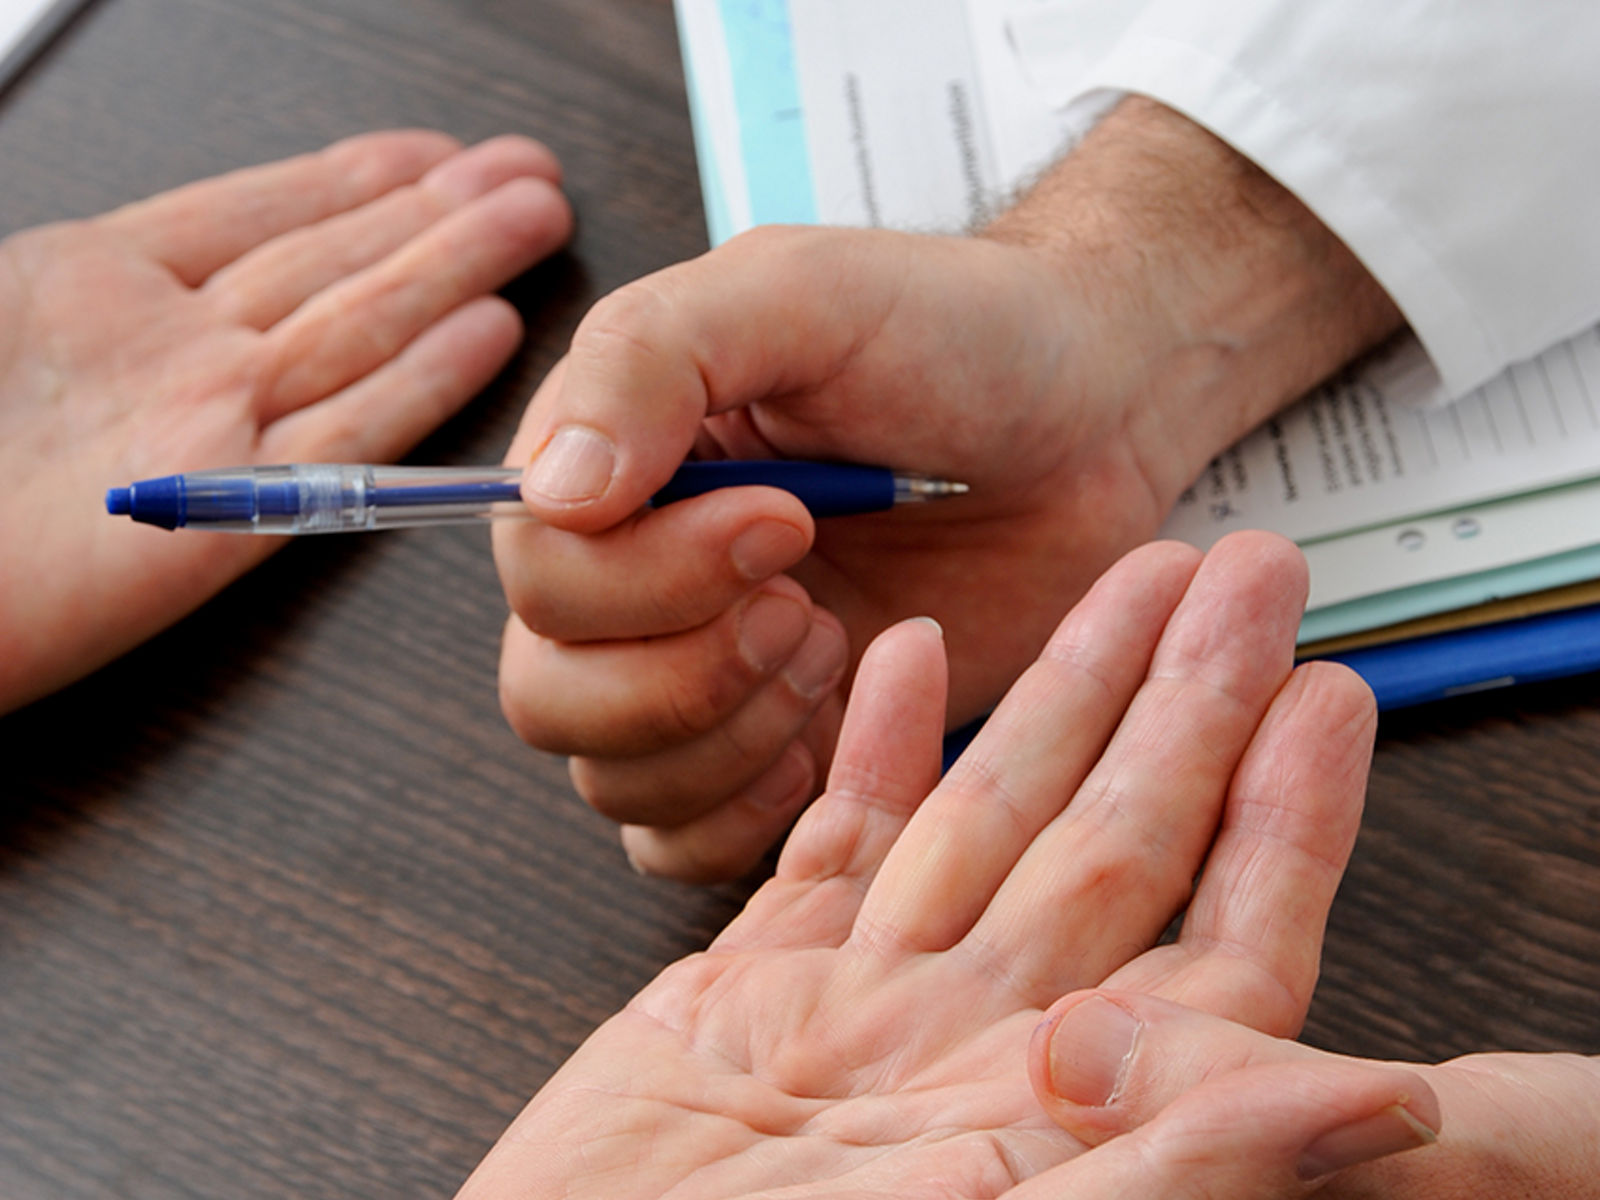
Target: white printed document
[(1368, 449)]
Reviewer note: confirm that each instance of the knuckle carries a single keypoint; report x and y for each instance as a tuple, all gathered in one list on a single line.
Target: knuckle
[(675, 598), (622, 319), (697, 694), (765, 240), (542, 611), (613, 798), (553, 594), (524, 695), (692, 708), (689, 858)]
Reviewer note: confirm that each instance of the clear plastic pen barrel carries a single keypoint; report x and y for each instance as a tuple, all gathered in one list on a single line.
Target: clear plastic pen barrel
[(335, 498)]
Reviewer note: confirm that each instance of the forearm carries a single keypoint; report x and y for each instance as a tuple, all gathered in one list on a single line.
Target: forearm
[(1219, 297)]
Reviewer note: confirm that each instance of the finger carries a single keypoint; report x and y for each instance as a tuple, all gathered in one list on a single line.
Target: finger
[(388, 412), (1271, 1132), (1251, 942), (685, 781), (202, 227), (663, 571), (630, 698), (349, 330), (1029, 758), (655, 358), (729, 841), (266, 284), (1105, 878), (885, 763)]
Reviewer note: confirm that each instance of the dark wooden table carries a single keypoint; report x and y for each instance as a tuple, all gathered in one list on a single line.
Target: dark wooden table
[(286, 910)]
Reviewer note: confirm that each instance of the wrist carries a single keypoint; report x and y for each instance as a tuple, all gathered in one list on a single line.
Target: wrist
[(1216, 296)]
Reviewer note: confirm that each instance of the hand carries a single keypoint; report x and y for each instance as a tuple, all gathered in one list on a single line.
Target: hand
[(1509, 1124), (335, 306), (861, 1027), (1054, 365)]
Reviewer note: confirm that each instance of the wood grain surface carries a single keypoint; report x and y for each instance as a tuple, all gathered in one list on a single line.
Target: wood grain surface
[(285, 908)]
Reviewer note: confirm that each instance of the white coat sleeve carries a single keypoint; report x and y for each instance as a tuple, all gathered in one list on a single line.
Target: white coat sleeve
[(1453, 145)]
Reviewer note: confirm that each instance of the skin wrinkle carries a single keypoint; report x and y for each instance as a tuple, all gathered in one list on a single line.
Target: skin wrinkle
[(1198, 946), (1218, 689), (666, 607), (981, 952), (1104, 799), (981, 780), (611, 323), (1109, 808), (879, 938), (633, 783), (845, 866), (868, 334), (1074, 660), (696, 710), (1268, 831), (727, 732)]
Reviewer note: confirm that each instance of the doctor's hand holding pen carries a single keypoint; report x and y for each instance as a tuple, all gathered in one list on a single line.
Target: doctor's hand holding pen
[(338, 305), (1076, 364)]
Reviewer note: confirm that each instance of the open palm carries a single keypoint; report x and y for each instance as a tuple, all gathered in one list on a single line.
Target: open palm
[(862, 1028), (334, 306)]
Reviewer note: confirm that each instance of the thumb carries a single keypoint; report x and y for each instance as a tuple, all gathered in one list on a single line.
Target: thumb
[(754, 319), (1277, 1130), (1106, 1063)]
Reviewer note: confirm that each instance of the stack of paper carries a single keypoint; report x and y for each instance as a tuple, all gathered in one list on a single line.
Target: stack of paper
[(1416, 516)]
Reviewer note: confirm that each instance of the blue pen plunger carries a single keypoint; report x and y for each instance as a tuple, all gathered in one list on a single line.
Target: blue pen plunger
[(160, 502)]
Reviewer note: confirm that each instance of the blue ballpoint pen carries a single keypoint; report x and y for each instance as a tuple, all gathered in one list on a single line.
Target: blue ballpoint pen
[(342, 498)]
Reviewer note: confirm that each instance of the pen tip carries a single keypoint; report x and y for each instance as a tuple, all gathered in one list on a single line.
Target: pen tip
[(119, 501)]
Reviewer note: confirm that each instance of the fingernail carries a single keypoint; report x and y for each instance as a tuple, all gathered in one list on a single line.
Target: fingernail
[(785, 782), (1390, 1131), (1089, 1052), (769, 627), (575, 465), (766, 548), (937, 628), (819, 662)]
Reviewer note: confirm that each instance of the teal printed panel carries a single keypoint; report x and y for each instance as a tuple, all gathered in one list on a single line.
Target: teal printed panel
[(772, 133)]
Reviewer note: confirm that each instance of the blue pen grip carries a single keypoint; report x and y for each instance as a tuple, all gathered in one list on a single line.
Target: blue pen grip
[(826, 489)]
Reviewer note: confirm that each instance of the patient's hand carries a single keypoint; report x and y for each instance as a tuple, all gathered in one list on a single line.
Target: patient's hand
[(336, 306), (862, 1028)]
